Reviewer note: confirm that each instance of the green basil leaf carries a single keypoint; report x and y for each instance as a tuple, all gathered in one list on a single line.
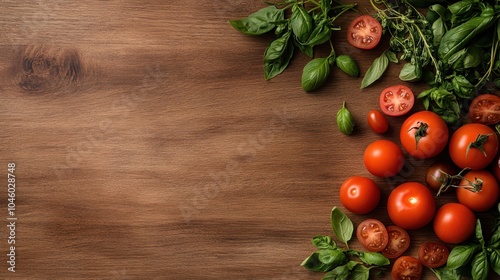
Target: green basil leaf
[(334, 257), (441, 11), (348, 65), (345, 121), (277, 56), (495, 260), (480, 266), (438, 31), (340, 272), (444, 273), (473, 57), (460, 7), (495, 237), (302, 23), (320, 34), (411, 72), (392, 56), (341, 225), (360, 272), (323, 242), (479, 233), (462, 87), (375, 71), (315, 73), (313, 263), (374, 258), (259, 22), (461, 255), (305, 49)]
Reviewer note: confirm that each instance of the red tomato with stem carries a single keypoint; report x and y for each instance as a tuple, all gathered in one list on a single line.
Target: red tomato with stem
[(364, 32), (396, 100), (411, 205), (399, 242), (359, 195), (377, 122), (454, 223), (383, 158), (433, 254), (424, 135), (372, 234), (485, 109), (473, 145), (405, 268), (478, 190), (438, 173)]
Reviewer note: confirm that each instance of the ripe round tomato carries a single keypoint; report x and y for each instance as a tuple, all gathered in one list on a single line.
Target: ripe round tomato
[(485, 198), (466, 145), (364, 32), (454, 223), (383, 158), (373, 235), (411, 205), (396, 100), (405, 268), (377, 122), (359, 195), (424, 135), (399, 241), (433, 254), (485, 109), (438, 173)]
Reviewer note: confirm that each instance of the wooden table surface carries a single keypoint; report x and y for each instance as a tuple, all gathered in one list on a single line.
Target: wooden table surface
[(148, 145)]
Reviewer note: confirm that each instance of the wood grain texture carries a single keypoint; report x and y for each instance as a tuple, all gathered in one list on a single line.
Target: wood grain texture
[(149, 146)]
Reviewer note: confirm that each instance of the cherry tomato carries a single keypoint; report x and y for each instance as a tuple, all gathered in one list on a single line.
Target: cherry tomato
[(411, 205), (433, 254), (406, 268), (359, 195), (399, 241), (364, 32), (438, 173), (466, 145), (454, 223), (485, 109), (484, 198), (396, 100), (372, 234), (424, 135), (383, 158), (377, 122)]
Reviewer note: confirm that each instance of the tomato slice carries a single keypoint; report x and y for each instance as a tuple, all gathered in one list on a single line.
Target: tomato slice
[(364, 32), (372, 234), (396, 100), (406, 268), (399, 241), (485, 109), (433, 254)]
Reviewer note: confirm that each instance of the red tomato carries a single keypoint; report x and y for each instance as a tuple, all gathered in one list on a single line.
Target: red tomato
[(373, 235), (383, 158), (359, 195), (364, 32), (485, 109), (454, 223), (424, 135), (377, 122), (466, 145), (483, 199), (438, 173), (433, 254), (399, 241), (406, 268), (411, 205), (396, 100)]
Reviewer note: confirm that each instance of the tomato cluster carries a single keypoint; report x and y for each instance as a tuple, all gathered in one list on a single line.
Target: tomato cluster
[(472, 149)]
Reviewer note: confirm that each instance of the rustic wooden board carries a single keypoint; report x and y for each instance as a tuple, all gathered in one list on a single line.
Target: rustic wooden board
[(148, 145)]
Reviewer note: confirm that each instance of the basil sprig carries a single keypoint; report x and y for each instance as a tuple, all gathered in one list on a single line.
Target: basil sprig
[(342, 262)]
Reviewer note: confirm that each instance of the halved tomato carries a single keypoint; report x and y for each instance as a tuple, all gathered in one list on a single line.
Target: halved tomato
[(396, 100), (372, 234), (433, 254), (364, 32), (485, 109), (399, 241), (406, 268)]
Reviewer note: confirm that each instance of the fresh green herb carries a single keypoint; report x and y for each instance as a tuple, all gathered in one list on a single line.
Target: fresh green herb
[(348, 65), (377, 69), (338, 262), (309, 24), (345, 120)]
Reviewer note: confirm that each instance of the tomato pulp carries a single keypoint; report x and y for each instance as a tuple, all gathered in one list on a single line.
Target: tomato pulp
[(406, 267), (364, 32), (372, 234), (485, 109), (396, 100), (399, 242)]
